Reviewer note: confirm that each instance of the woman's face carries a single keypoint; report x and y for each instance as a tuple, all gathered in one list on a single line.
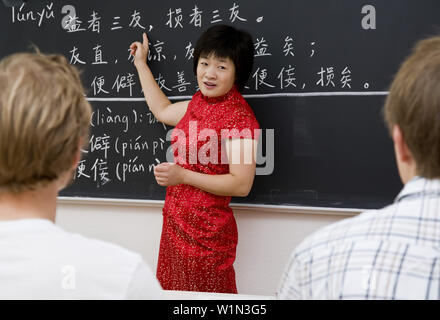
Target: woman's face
[(215, 76)]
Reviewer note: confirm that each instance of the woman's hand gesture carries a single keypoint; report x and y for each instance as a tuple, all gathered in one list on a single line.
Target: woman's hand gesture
[(140, 50), (169, 174)]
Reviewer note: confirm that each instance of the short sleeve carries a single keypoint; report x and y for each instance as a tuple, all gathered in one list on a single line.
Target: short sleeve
[(240, 124)]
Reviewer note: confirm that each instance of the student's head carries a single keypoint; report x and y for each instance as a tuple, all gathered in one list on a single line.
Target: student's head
[(412, 111), (44, 120), (223, 56)]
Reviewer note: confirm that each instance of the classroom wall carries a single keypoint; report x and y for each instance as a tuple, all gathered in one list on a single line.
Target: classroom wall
[(266, 235)]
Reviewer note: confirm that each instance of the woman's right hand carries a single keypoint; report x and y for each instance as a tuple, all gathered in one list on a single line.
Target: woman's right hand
[(140, 50)]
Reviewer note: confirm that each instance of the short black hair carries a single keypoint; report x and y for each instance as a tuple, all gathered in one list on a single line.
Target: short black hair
[(227, 42)]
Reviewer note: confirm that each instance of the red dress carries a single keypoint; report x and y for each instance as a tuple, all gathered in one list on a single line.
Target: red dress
[(199, 233)]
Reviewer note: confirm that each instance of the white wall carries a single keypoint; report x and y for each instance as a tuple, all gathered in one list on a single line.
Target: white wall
[(266, 234)]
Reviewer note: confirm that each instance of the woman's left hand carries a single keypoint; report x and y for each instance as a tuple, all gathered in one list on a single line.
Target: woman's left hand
[(169, 174)]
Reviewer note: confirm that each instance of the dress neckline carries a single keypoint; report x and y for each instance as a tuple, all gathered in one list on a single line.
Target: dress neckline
[(221, 98)]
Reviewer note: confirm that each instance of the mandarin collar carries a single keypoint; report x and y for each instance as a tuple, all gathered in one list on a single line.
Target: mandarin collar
[(221, 98)]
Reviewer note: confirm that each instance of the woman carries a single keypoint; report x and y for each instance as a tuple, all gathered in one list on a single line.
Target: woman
[(199, 233)]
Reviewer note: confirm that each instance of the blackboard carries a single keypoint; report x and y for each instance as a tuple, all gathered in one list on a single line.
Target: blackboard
[(321, 74)]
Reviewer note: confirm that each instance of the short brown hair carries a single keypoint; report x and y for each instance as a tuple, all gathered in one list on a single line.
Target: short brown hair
[(43, 117), (413, 104), (227, 42)]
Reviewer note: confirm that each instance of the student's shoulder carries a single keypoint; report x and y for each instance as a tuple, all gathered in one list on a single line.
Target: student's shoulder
[(90, 249), (114, 271), (337, 232)]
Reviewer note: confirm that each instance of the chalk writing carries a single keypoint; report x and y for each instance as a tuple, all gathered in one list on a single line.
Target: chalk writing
[(21, 15), (121, 143), (196, 17), (95, 23), (175, 18)]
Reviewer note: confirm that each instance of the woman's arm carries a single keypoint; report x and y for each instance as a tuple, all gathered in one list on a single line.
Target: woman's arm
[(164, 111), (238, 182)]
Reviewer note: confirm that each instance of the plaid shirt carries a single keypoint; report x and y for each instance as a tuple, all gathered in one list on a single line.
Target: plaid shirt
[(392, 253)]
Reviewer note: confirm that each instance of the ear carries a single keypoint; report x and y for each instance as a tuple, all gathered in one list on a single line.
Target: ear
[(402, 151)]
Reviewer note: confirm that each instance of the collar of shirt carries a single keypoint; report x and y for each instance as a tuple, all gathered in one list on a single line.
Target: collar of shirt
[(419, 187), (12, 226)]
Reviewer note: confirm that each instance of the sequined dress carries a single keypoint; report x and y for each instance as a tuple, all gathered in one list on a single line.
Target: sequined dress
[(199, 233)]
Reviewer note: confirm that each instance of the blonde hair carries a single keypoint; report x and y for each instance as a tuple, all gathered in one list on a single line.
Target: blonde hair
[(44, 117), (414, 105)]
